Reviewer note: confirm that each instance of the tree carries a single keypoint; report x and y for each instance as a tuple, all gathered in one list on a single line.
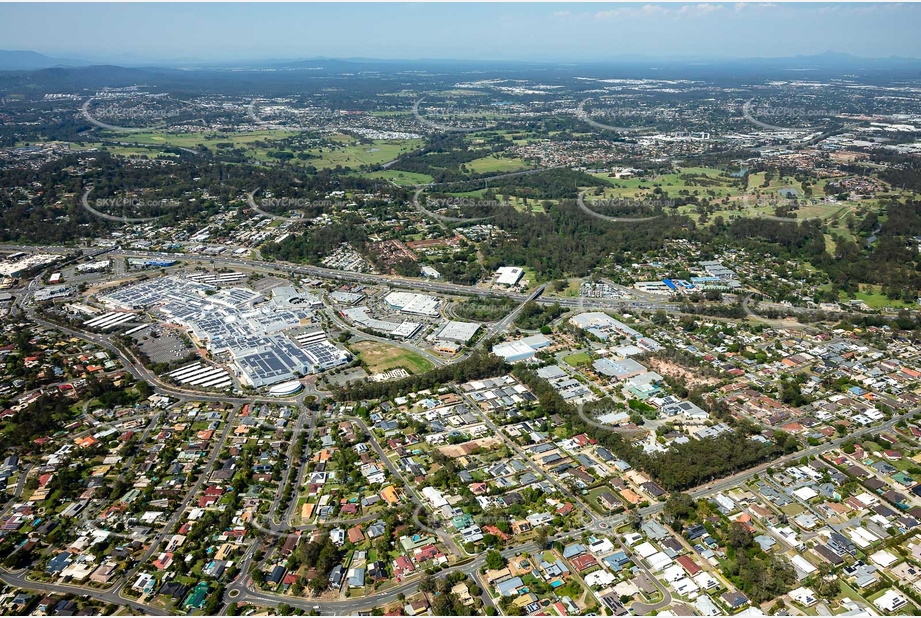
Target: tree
[(680, 507), (494, 560), (427, 584), (318, 584), (542, 536), (634, 519), (739, 536)]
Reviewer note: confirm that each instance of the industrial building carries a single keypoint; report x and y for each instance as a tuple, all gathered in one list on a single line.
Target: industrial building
[(605, 327), (430, 273), (400, 330), (17, 264), (620, 370), (448, 347), (537, 342), (513, 351), (51, 292), (509, 275), (199, 374), (110, 320), (285, 389), (91, 267), (458, 332), (145, 263), (346, 298), (287, 296), (653, 287), (212, 278), (415, 304)]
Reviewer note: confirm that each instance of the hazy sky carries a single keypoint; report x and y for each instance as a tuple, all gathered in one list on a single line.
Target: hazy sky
[(134, 32)]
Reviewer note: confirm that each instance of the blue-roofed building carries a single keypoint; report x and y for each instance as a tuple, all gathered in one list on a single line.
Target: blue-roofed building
[(616, 561), (573, 550), (59, 562), (510, 587), (356, 577)]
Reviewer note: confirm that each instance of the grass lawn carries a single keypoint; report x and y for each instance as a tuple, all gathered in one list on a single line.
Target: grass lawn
[(191, 140), (570, 291), (577, 359), (907, 610), (348, 151), (401, 178), (592, 498), (353, 153), (492, 164), (533, 206), (381, 357), (873, 297), (792, 510), (849, 593), (530, 275), (128, 151), (573, 589)]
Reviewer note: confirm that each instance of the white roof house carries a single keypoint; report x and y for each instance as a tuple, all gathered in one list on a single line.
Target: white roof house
[(802, 565), (803, 596), (435, 497), (883, 558), (508, 275), (599, 578), (891, 601)]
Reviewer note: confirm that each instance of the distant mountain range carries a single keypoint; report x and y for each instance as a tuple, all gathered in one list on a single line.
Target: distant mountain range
[(828, 61), (31, 61)]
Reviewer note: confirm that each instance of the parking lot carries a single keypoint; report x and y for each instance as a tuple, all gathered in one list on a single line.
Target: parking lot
[(161, 345)]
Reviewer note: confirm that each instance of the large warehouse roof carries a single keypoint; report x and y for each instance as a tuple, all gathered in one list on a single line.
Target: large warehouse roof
[(509, 275), (461, 332)]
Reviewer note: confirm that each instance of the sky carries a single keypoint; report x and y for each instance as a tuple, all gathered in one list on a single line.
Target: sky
[(166, 33)]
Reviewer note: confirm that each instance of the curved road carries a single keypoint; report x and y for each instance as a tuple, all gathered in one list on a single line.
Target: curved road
[(446, 219), (252, 204), (746, 113), (584, 117), (444, 127), (598, 215), (442, 218), (103, 215), (85, 109)]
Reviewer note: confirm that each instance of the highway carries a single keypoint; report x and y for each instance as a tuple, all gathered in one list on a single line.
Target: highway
[(86, 204), (598, 215), (746, 113), (441, 218), (425, 285), (85, 110), (443, 127), (252, 204), (584, 117)]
